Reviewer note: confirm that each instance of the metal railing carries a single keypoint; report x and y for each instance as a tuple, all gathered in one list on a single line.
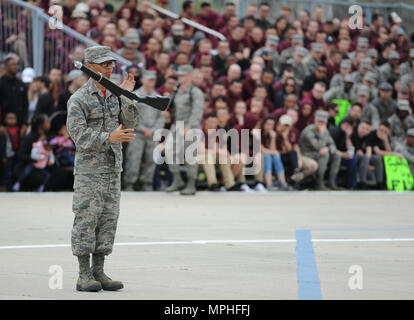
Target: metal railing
[(191, 23), (27, 31), (332, 9)]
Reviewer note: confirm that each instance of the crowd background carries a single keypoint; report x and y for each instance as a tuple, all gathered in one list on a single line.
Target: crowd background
[(284, 77)]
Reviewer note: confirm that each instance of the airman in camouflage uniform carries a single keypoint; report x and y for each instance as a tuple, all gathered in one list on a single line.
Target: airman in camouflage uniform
[(364, 67), (188, 108), (297, 65), (369, 112), (338, 79), (387, 70), (370, 80), (93, 123), (140, 151), (407, 149), (312, 61), (344, 92), (321, 147), (297, 41), (385, 105), (400, 122), (408, 66), (270, 49)]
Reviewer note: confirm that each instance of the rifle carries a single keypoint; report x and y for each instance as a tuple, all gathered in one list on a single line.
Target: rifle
[(158, 102)]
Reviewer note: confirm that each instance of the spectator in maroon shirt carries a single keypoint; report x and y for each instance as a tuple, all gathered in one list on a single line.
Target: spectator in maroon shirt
[(257, 107), (252, 80), (315, 97), (168, 87), (229, 10), (231, 24), (239, 41), (188, 9), (290, 102), (207, 17), (256, 38), (233, 72), (146, 29), (68, 8), (333, 63), (185, 46), (249, 23), (82, 26), (154, 47), (289, 88), (343, 47), (261, 93), (287, 73), (109, 35), (305, 117), (318, 16), (310, 34), (135, 14), (234, 93)]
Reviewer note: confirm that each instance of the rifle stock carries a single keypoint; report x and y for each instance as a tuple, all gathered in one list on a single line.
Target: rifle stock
[(158, 102)]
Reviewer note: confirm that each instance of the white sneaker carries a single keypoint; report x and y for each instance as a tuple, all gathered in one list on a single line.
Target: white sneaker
[(223, 189), (260, 187), (245, 188)]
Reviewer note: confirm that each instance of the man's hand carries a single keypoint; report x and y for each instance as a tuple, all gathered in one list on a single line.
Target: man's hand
[(323, 151), (129, 82), (346, 155), (148, 132), (23, 131), (121, 135), (2, 131)]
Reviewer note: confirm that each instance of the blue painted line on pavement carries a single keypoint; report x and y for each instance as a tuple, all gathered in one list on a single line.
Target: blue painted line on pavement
[(309, 287)]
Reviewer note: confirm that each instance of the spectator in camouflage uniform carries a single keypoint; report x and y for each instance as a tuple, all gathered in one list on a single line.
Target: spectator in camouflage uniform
[(385, 105), (188, 108), (139, 156), (400, 122), (317, 143), (94, 122), (407, 149), (338, 79)]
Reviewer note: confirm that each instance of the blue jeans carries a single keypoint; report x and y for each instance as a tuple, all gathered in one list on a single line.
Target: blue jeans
[(351, 172), (273, 160)]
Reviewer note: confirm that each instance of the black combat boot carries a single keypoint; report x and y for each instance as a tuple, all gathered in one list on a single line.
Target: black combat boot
[(86, 281), (97, 270)]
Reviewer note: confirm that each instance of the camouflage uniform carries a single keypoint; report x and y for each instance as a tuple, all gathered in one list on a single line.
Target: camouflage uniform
[(384, 110), (189, 107), (299, 70), (407, 152), (339, 93), (397, 131), (98, 166), (140, 150), (337, 80), (311, 141), (370, 113)]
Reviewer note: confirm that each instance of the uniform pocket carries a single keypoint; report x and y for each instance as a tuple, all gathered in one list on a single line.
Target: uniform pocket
[(95, 118)]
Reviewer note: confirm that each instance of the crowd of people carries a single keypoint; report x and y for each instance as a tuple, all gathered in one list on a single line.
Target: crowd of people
[(330, 101)]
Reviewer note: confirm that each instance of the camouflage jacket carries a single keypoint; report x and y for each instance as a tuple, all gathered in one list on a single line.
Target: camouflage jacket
[(188, 107), (91, 119), (149, 117), (311, 141)]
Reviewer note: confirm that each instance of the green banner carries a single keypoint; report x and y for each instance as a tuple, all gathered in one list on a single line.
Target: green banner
[(343, 106), (399, 177)]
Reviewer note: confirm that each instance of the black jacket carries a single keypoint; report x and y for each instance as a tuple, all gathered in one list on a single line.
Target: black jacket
[(13, 98)]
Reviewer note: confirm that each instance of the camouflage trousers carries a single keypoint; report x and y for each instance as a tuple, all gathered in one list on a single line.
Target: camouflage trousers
[(179, 153), (139, 161), (96, 208)]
